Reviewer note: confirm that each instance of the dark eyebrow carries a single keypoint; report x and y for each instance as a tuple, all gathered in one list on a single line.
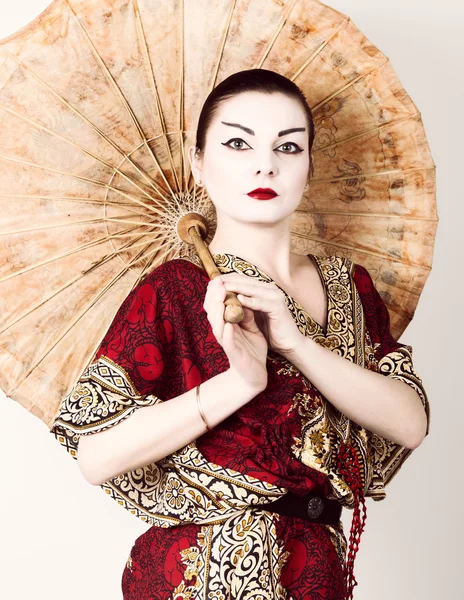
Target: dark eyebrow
[(251, 132)]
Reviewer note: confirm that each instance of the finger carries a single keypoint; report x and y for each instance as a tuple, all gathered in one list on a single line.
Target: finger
[(248, 286), (211, 291), (206, 298), (216, 310), (258, 296), (260, 319), (249, 320), (271, 304), (228, 340)]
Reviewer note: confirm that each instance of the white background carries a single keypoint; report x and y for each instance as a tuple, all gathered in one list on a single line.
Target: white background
[(63, 538)]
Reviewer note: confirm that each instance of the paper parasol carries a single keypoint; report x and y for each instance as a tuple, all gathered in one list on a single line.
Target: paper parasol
[(99, 102)]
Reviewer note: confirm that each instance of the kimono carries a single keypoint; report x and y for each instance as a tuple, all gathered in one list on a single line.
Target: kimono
[(208, 538)]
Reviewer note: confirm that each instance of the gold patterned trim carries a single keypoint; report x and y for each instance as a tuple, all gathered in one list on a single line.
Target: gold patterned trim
[(387, 456), (184, 487)]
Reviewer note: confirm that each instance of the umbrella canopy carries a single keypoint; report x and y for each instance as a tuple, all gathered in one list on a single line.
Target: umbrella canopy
[(99, 101)]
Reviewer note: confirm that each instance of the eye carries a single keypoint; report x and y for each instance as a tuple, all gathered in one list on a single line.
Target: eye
[(297, 151), (239, 140)]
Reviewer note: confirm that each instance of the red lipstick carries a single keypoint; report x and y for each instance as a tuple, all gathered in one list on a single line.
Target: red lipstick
[(263, 194)]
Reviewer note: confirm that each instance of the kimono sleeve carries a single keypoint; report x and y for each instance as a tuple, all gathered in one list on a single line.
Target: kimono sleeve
[(123, 373), (392, 359)]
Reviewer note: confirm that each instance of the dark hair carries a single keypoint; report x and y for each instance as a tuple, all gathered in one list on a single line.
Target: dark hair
[(251, 80)]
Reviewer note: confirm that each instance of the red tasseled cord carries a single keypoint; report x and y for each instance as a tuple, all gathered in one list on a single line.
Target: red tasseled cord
[(349, 468)]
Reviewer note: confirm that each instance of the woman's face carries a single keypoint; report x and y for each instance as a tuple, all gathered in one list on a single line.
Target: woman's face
[(248, 147)]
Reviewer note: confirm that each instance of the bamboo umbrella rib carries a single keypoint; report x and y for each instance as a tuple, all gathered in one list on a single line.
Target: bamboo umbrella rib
[(204, 201), (367, 214), (129, 246), (118, 92), (181, 91), (199, 200), (165, 198), (86, 179), (171, 235), (212, 85), (411, 117), (52, 259), (350, 84), (144, 243), (177, 208), (259, 64), (157, 249), (101, 262), (130, 235), (320, 48), (194, 192), (392, 308), (204, 198), (174, 209), (374, 174), (223, 43), (126, 221), (403, 289), (354, 249), (76, 199), (74, 323), (144, 271), (154, 200), (308, 61), (155, 182), (75, 145), (124, 235), (147, 266), (69, 223), (154, 88), (97, 130)]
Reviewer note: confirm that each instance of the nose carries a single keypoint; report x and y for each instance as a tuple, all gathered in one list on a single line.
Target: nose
[(266, 163)]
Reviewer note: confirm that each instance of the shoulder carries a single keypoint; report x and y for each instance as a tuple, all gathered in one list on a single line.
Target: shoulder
[(343, 266), (363, 279), (149, 310), (365, 288), (164, 272), (374, 306), (173, 276), (362, 284)]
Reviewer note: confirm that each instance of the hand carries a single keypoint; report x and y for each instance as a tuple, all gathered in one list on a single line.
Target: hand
[(271, 312), (243, 343)]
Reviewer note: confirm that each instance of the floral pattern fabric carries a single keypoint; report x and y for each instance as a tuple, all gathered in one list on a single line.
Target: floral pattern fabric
[(208, 537)]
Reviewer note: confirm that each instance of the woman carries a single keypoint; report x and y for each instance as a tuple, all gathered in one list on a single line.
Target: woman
[(240, 443)]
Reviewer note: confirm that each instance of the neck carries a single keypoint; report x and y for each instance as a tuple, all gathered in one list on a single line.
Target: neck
[(265, 246)]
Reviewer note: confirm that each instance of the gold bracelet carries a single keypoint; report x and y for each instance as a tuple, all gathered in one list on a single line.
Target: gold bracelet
[(202, 414)]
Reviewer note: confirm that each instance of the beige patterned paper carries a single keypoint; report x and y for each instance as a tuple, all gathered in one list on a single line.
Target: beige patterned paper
[(99, 101)]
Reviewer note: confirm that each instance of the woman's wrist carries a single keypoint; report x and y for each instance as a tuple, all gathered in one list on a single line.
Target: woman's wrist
[(219, 397), (243, 386), (200, 409)]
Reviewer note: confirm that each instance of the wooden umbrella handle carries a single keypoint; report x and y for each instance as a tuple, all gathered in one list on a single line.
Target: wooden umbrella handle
[(189, 228)]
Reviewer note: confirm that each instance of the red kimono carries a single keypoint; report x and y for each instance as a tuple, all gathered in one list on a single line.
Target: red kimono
[(208, 536)]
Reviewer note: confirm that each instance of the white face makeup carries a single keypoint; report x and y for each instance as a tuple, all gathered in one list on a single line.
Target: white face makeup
[(256, 140)]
